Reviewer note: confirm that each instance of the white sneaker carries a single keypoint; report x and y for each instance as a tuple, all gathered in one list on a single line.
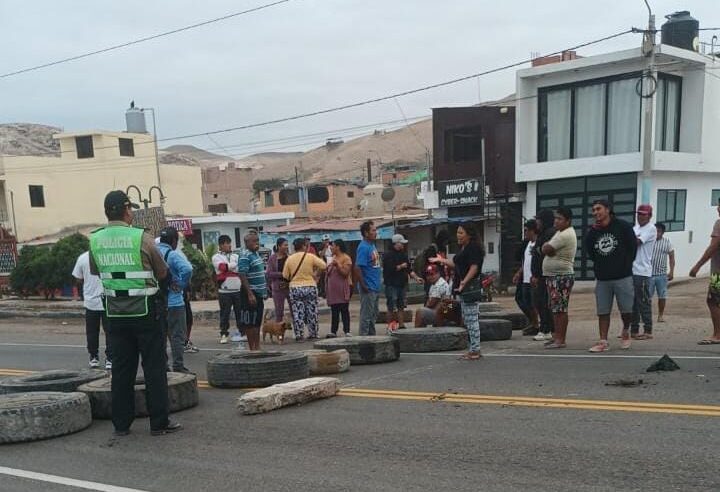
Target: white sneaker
[(243, 339), (94, 363), (541, 337), (223, 339), (108, 365), (236, 337)]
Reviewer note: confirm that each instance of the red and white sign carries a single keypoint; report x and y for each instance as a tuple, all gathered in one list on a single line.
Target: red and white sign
[(182, 225)]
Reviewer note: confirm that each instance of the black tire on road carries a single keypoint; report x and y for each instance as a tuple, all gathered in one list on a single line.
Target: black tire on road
[(42, 414), (256, 369), (182, 394), (495, 329), (364, 349), (518, 320), (61, 380), (431, 339)]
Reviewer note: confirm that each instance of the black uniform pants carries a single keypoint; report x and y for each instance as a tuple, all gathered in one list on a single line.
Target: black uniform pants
[(132, 338)]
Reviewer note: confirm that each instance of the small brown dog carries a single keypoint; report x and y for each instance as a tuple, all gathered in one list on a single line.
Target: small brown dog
[(275, 328)]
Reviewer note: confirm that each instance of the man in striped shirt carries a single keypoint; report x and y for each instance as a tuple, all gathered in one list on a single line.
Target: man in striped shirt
[(660, 275), (251, 270)]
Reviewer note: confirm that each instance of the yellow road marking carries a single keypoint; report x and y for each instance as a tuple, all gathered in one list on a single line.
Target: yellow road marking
[(519, 401)]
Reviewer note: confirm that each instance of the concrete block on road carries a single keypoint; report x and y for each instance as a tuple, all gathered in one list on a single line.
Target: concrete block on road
[(285, 394), (328, 362)]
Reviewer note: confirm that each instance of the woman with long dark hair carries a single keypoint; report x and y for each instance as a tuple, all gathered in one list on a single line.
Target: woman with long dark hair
[(338, 282), (468, 266), (278, 285)]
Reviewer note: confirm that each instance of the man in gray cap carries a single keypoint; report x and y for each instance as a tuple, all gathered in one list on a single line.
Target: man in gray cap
[(396, 270), (130, 268)]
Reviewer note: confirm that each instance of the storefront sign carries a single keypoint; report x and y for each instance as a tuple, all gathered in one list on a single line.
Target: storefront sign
[(460, 192), (182, 225)]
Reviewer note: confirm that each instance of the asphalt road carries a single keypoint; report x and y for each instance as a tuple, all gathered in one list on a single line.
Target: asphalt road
[(397, 441)]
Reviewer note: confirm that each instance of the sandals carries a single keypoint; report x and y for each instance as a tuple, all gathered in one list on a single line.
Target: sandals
[(555, 345), (709, 341), (472, 356)]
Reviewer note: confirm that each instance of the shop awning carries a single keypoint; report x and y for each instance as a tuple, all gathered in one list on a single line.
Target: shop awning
[(443, 220)]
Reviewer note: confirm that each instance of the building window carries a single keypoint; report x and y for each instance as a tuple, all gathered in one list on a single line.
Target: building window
[(269, 199), (671, 209), (220, 208), (37, 196), (667, 116), (715, 198), (464, 144), (590, 118), (351, 194), (289, 196), (318, 194), (84, 147), (127, 147)]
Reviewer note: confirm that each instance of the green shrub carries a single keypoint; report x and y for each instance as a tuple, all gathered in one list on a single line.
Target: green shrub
[(203, 279)]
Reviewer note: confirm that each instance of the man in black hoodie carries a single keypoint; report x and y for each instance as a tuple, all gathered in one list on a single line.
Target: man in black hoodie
[(611, 244), (545, 220)]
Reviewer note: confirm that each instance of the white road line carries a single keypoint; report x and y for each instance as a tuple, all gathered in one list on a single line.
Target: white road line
[(70, 482), (439, 354)]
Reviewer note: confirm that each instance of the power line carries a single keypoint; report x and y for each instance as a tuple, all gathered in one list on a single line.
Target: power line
[(142, 40), (374, 100), (391, 96)]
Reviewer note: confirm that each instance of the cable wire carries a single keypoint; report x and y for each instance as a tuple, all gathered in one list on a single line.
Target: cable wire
[(142, 40)]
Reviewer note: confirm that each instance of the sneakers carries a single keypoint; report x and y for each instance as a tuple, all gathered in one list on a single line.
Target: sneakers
[(223, 339), (348, 334), (541, 337), (243, 338), (530, 331), (168, 429), (236, 337), (331, 335), (601, 346), (190, 348), (94, 363), (108, 365)]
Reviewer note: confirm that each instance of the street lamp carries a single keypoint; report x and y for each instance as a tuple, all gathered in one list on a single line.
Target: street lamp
[(157, 158)]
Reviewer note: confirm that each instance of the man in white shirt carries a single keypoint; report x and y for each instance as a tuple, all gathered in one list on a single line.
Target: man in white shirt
[(439, 292), (523, 276), (225, 263), (94, 310), (642, 273)]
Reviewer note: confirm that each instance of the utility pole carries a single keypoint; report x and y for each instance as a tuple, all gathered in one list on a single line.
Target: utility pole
[(648, 49), (155, 140)]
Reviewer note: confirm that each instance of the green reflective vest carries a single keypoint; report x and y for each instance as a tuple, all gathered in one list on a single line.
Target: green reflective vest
[(126, 283)]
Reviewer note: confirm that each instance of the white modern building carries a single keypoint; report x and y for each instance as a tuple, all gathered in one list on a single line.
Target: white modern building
[(207, 229), (579, 137)]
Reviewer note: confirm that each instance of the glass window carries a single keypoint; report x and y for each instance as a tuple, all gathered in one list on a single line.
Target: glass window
[(289, 196), (667, 115), (612, 182), (269, 199), (590, 120), (84, 147), (318, 194), (561, 186), (127, 147), (558, 125), (671, 209), (623, 120), (714, 197), (37, 196)]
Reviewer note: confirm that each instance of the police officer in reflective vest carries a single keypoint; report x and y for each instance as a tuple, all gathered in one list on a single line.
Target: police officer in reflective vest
[(130, 268)]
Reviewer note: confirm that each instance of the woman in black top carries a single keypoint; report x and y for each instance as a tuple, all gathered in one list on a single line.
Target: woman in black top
[(468, 265)]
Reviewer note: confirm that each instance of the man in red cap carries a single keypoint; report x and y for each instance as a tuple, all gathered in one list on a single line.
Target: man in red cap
[(642, 273)]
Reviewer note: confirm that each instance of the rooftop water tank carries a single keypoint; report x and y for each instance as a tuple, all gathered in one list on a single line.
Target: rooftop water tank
[(681, 30), (135, 120)]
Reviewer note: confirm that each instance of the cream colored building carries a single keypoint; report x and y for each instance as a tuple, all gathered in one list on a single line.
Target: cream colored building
[(42, 195)]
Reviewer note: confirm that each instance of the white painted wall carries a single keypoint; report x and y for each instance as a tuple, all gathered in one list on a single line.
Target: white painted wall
[(228, 228)]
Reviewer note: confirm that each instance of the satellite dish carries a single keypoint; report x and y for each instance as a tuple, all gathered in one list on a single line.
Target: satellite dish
[(387, 194)]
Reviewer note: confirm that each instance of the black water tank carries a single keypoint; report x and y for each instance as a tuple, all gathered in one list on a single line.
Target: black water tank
[(681, 30)]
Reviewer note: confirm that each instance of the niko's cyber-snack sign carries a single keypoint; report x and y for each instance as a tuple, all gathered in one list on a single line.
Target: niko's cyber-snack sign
[(460, 192)]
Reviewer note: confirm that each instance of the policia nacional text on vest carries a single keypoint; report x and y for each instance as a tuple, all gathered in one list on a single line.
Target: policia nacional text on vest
[(126, 283)]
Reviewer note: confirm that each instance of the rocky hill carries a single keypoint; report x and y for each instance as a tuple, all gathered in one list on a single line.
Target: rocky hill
[(28, 138)]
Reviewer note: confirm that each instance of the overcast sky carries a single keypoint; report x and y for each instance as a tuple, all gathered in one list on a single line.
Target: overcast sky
[(289, 59)]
